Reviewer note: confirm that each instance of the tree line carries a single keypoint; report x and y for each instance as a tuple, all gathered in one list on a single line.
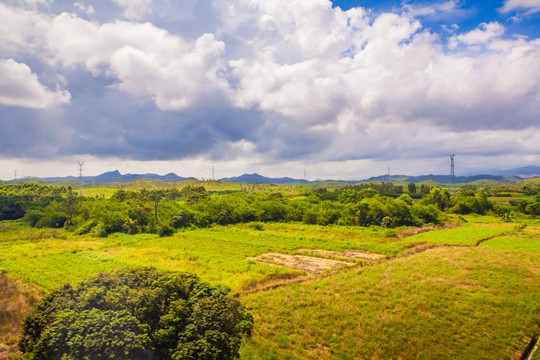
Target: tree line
[(164, 210)]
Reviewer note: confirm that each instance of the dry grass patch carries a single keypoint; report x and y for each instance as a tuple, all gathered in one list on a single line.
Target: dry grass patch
[(16, 302), (418, 230), (535, 229), (309, 264), (349, 254)]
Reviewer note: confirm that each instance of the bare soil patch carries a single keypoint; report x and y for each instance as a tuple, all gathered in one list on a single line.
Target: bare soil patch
[(309, 264), (349, 254), (422, 229)]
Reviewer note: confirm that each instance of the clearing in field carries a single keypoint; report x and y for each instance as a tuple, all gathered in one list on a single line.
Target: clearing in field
[(309, 264), (349, 254)]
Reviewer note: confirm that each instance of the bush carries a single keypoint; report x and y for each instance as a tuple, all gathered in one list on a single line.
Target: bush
[(165, 230), (137, 314), (53, 219), (33, 217)]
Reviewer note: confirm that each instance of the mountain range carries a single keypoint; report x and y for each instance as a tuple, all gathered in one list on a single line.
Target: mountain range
[(116, 177), (508, 176)]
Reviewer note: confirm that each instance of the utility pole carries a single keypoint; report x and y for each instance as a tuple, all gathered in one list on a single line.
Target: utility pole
[(15, 178), (80, 176), (213, 173)]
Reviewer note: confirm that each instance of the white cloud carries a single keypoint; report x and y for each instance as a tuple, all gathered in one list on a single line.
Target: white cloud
[(83, 8), (532, 6), (21, 31), (135, 9), (301, 79), (21, 87), (482, 35), (431, 9), (145, 59)]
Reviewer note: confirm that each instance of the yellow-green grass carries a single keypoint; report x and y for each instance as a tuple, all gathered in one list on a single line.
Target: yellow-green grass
[(101, 191), (526, 244), (440, 304), (220, 254), (444, 303), (464, 235), (49, 272), (479, 219)]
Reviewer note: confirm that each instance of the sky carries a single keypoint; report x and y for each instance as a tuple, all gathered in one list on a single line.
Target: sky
[(335, 90)]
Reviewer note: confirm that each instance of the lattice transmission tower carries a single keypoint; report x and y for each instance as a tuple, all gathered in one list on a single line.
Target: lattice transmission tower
[(81, 163)]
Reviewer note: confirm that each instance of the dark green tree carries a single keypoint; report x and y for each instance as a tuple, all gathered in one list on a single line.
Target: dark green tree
[(137, 314)]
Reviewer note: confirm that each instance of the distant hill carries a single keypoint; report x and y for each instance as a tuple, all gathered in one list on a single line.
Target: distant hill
[(523, 172), (443, 179), (116, 177), (501, 176), (259, 179)]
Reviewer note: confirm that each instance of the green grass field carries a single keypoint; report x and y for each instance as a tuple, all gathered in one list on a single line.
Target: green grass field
[(445, 303), (463, 302), (469, 234), (218, 254)]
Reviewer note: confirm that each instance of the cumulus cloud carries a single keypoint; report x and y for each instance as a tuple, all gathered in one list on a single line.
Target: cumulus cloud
[(145, 60), (533, 6), (482, 35), (281, 79), (21, 87), (135, 9), (21, 30)]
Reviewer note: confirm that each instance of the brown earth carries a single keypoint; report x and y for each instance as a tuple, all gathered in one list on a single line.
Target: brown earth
[(349, 254), (309, 264)]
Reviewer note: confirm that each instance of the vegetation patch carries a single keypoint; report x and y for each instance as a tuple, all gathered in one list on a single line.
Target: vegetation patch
[(514, 243), (464, 235), (50, 271), (445, 303)]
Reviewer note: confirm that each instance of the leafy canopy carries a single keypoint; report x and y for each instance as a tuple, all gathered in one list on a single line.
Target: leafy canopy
[(137, 314)]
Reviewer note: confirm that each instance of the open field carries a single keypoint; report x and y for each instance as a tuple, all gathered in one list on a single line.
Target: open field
[(432, 295), (444, 303)]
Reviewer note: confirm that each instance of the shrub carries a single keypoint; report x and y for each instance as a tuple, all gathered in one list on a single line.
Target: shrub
[(33, 217), (165, 230), (53, 219), (137, 314)]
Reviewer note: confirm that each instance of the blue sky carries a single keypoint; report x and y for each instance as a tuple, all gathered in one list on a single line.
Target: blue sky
[(467, 15), (343, 90)]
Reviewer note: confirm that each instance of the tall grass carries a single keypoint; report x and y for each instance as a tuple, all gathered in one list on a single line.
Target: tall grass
[(446, 303)]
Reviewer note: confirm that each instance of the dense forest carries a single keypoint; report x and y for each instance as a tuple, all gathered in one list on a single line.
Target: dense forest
[(164, 210)]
